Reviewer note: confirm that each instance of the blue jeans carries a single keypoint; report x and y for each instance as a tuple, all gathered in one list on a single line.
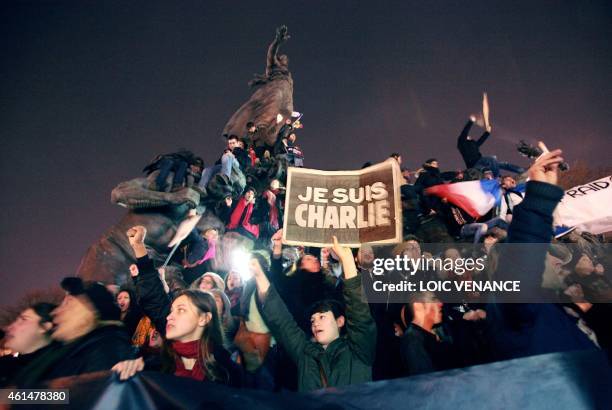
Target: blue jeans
[(478, 229), (491, 162), (167, 165), (227, 163)]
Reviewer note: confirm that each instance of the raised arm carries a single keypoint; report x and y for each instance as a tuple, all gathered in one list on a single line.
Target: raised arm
[(483, 138), (277, 317), (150, 292), (466, 130), (531, 232), (277, 276), (360, 327), (272, 57)]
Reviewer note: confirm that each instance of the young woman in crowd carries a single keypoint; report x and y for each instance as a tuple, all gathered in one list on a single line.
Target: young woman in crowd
[(208, 281), (233, 290), (190, 325), (130, 311)]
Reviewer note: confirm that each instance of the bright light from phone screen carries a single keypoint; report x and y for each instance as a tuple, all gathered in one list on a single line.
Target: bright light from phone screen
[(240, 264)]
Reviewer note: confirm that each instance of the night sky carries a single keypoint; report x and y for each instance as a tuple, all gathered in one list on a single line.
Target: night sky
[(91, 91)]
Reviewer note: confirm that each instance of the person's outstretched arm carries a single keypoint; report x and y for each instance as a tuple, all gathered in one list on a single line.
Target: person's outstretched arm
[(150, 292), (483, 138), (360, 327), (466, 130), (277, 317), (531, 232), (272, 57)]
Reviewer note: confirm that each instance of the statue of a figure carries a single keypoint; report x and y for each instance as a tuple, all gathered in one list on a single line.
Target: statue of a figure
[(273, 95), (108, 259)]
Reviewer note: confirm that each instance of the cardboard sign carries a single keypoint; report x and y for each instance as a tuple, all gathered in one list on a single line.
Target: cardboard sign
[(356, 206)]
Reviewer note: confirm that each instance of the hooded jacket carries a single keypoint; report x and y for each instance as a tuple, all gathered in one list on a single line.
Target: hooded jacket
[(521, 329)]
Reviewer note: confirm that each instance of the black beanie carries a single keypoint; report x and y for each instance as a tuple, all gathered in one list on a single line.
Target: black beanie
[(97, 294)]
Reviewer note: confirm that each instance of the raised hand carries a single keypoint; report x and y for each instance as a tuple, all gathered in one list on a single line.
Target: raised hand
[(282, 33), (136, 235), (134, 270), (255, 268), (277, 243), (346, 258), (546, 167)]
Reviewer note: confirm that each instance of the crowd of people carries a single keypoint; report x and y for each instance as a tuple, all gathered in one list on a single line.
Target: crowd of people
[(296, 317)]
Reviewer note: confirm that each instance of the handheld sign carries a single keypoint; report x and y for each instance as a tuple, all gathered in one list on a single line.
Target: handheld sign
[(355, 206)]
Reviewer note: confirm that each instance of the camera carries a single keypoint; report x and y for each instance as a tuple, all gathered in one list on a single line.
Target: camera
[(532, 152)]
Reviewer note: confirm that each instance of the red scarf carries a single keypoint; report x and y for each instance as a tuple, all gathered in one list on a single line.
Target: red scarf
[(188, 350), (236, 218), (253, 157), (270, 196)]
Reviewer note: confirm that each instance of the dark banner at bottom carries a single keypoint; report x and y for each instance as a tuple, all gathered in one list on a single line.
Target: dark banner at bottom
[(578, 380)]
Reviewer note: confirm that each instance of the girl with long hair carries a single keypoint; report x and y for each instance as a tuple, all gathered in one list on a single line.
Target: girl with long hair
[(190, 326)]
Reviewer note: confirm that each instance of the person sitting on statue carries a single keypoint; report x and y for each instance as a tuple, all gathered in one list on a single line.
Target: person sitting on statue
[(295, 155), (194, 173), (199, 252), (241, 153), (273, 199), (177, 163), (250, 134), (230, 161), (244, 216), (280, 146), (428, 178), (253, 156), (470, 151)]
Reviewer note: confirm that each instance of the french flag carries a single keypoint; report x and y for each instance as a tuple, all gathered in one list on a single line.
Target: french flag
[(474, 197)]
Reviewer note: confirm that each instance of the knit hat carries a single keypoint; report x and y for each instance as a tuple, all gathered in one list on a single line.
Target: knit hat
[(100, 298)]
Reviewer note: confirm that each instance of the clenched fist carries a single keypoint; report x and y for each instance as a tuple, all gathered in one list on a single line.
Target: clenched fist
[(136, 235)]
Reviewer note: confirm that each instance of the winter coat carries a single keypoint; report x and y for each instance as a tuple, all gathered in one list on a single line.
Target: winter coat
[(528, 329), (347, 360), (156, 304), (430, 177), (470, 149), (422, 352), (240, 219), (302, 289), (10, 366), (98, 350)]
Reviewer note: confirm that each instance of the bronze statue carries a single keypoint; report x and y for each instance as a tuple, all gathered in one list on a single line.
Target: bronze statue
[(108, 259), (273, 95)]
